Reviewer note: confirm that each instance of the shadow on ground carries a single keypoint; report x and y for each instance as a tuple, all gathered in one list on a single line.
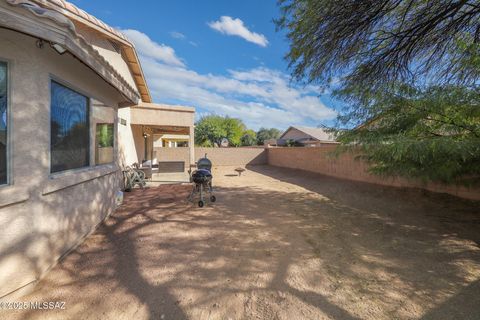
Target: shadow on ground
[(278, 244)]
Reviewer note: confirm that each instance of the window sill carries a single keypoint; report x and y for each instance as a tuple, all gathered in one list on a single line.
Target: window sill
[(11, 195), (63, 180)]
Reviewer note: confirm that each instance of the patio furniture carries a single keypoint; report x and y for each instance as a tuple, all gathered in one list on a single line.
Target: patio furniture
[(147, 171), (171, 166), (132, 177), (202, 179), (240, 171)]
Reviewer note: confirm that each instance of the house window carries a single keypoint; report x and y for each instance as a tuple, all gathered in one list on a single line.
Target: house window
[(182, 144), (3, 123), (69, 121), (102, 121), (104, 143)]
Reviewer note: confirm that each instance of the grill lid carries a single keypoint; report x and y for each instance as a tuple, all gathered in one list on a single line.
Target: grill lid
[(201, 176), (201, 173), (204, 163)]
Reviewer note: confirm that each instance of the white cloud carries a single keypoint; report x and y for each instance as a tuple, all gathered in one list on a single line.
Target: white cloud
[(151, 49), (235, 27), (177, 35), (260, 96), (180, 36)]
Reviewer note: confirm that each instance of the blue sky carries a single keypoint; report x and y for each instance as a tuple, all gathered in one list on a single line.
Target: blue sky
[(222, 57)]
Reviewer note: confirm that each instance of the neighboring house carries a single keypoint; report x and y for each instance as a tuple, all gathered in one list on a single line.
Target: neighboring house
[(74, 109), (224, 143), (303, 136)]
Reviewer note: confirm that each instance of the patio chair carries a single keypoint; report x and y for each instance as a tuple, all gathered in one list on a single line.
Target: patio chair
[(132, 177)]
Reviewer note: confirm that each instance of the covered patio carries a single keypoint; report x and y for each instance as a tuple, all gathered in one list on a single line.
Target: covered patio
[(278, 244), (160, 138)]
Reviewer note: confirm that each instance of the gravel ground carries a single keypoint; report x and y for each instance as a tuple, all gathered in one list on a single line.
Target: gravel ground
[(277, 244)]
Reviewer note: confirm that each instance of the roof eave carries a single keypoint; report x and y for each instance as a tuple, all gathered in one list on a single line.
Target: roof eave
[(65, 35), (128, 48), (138, 76)]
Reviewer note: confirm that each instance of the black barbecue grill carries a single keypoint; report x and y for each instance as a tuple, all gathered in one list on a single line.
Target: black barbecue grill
[(202, 181)]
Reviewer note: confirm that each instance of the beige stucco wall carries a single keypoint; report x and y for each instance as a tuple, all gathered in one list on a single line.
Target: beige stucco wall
[(127, 135), (43, 215), (131, 141), (162, 115), (218, 156), (233, 156), (321, 160)]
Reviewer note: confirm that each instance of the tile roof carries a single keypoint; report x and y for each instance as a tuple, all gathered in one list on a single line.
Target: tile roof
[(316, 133), (73, 12), (81, 13)]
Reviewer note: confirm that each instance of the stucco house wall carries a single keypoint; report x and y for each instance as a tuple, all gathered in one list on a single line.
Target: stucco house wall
[(130, 147), (44, 215)]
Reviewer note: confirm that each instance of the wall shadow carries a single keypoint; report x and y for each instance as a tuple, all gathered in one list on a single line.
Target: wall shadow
[(280, 244)]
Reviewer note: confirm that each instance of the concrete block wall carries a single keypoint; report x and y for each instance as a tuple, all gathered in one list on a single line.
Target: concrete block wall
[(218, 156), (233, 156), (345, 166)]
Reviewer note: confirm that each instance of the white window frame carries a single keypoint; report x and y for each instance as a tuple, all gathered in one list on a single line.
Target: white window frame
[(93, 136), (92, 167)]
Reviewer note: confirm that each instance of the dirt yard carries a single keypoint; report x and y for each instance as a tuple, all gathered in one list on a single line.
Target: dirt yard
[(278, 244)]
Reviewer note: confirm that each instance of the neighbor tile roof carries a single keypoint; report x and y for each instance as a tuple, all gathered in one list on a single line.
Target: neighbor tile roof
[(316, 133)]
